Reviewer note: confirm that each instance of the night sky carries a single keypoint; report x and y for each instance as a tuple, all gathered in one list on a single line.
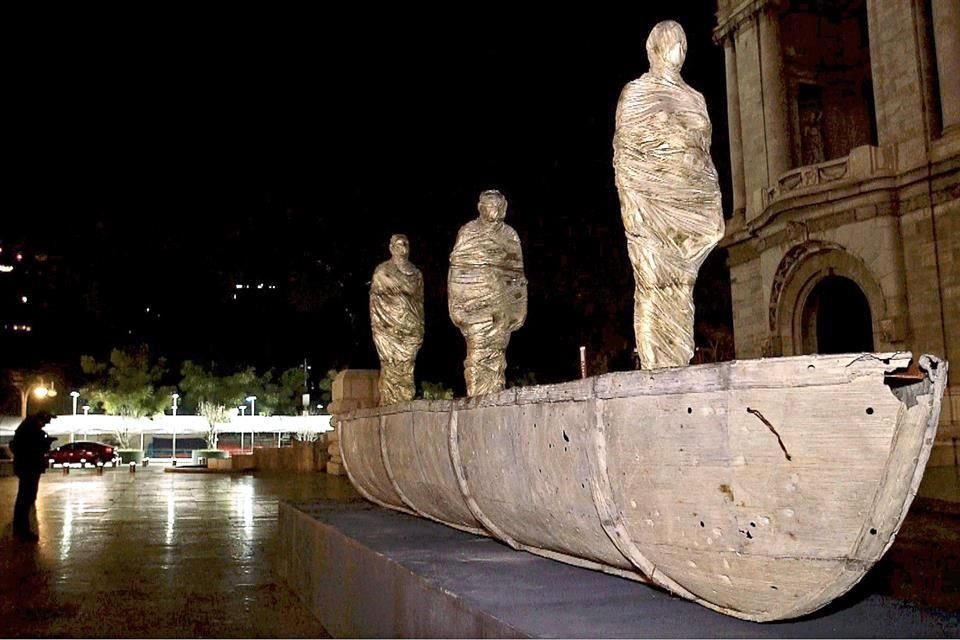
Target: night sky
[(162, 165)]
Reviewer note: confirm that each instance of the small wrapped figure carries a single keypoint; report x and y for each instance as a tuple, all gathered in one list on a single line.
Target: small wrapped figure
[(396, 317)]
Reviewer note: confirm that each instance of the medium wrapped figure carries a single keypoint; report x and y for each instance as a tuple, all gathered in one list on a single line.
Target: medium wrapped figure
[(487, 292), (669, 197), (396, 317)]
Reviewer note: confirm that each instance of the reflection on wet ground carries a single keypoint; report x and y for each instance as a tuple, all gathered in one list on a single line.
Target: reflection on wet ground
[(153, 554)]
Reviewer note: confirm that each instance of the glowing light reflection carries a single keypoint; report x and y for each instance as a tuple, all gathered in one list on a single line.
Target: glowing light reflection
[(66, 534), (244, 505), (171, 516)]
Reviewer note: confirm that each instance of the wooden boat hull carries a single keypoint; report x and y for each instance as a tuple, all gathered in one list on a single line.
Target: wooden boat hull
[(762, 489)]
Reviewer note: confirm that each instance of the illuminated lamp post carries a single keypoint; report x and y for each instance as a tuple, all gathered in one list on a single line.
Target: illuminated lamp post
[(173, 448), (243, 411), (74, 395), (253, 411), (86, 412), (39, 391)]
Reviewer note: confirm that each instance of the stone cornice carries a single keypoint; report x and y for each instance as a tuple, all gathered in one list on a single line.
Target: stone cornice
[(728, 24), (898, 186), (893, 168), (861, 202)]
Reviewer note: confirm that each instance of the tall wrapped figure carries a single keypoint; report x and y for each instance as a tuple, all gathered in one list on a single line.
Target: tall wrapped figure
[(487, 292), (396, 317), (669, 197)]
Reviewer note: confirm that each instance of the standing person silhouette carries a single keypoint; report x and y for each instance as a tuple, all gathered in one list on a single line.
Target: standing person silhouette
[(29, 444)]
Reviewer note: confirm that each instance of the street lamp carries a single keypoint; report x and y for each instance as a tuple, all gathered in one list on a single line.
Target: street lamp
[(38, 389), (173, 445), (74, 395), (86, 409), (243, 411), (253, 404)]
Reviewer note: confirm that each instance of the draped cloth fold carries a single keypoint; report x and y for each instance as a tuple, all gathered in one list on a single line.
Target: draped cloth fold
[(669, 202), (397, 320), (487, 299)]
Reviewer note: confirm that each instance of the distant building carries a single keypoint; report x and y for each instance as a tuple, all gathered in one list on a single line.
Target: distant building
[(27, 282), (17, 302), (254, 292), (844, 121)]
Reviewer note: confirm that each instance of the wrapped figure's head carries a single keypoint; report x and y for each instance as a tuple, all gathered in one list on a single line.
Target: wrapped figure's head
[(666, 47)]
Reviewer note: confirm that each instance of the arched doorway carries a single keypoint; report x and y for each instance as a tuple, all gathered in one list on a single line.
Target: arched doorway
[(836, 318)]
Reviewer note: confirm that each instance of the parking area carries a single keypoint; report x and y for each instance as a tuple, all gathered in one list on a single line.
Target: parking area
[(154, 554)]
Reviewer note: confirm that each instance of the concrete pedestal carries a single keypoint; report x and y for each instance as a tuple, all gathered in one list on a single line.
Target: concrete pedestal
[(367, 571)]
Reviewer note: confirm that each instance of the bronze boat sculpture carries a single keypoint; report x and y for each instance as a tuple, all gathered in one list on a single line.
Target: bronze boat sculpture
[(762, 489)]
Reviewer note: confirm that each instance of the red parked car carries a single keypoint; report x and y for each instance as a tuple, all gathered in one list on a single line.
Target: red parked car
[(77, 452)]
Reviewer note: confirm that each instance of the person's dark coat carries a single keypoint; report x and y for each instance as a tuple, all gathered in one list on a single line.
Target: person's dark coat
[(29, 444)]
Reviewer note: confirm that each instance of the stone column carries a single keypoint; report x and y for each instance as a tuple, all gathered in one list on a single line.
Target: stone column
[(775, 109), (752, 138), (946, 35), (352, 389), (733, 125)]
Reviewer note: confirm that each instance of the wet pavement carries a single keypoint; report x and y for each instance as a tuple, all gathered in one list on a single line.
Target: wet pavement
[(153, 554), (940, 489), (923, 565)]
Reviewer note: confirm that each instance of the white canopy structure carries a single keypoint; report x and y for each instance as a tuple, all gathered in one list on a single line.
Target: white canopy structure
[(95, 424)]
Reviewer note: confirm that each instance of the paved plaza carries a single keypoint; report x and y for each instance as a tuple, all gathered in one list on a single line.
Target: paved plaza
[(154, 554)]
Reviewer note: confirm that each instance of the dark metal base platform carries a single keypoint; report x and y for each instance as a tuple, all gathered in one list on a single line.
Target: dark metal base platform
[(365, 571)]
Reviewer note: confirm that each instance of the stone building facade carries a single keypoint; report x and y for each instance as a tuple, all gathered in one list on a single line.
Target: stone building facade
[(844, 120)]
